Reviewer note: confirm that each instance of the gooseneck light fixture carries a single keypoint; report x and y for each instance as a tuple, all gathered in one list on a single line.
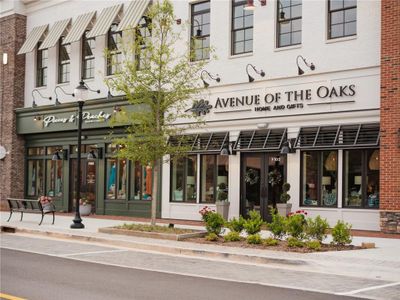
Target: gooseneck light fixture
[(261, 72), (56, 155), (40, 94), (288, 146), (55, 92), (250, 4), (206, 84), (311, 66)]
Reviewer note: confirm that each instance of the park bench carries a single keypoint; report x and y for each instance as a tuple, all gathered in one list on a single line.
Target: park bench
[(30, 206)]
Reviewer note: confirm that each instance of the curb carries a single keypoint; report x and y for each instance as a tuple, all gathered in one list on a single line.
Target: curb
[(234, 257)]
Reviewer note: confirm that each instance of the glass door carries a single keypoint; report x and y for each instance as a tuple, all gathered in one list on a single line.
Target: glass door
[(88, 182), (263, 175)]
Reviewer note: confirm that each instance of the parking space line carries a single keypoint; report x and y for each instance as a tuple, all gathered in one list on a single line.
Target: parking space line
[(93, 252), (369, 289)]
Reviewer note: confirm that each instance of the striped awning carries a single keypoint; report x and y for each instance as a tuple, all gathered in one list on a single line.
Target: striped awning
[(78, 27), (104, 21), (55, 33), (33, 38), (133, 14)]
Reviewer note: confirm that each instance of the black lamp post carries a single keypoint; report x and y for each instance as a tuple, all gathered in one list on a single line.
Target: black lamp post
[(81, 92)]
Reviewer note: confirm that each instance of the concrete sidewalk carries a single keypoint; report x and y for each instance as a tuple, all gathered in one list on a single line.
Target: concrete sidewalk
[(382, 263)]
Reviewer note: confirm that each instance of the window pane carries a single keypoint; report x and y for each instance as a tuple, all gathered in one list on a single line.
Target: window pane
[(121, 179), (350, 15), (207, 178), (248, 34), (136, 179), (329, 178), (296, 25), (238, 11), (36, 151), (296, 38), (201, 6), (337, 30), (222, 179), (350, 3), (350, 28), (310, 178), (352, 175), (284, 27), (239, 48), (191, 178), (373, 179), (177, 179), (54, 178), (337, 17), (248, 21), (238, 23), (336, 4), (35, 178), (248, 46), (147, 183), (296, 11), (239, 35), (111, 171), (284, 39)]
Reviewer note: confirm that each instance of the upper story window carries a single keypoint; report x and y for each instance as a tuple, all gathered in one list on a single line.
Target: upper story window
[(64, 61), (114, 45), (342, 18), (200, 30), (242, 28), (41, 66), (289, 22), (143, 35), (88, 46)]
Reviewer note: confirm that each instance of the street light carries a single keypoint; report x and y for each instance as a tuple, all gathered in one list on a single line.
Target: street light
[(81, 93)]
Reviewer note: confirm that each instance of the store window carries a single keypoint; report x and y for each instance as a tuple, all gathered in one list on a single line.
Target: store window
[(116, 179), (361, 178), (184, 179), (42, 57), (88, 46), (342, 18), (64, 61), (319, 178), (35, 178), (242, 28), (289, 22), (214, 178), (141, 182), (200, 30), (114, 45)]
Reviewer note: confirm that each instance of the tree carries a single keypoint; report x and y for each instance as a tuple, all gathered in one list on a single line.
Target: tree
[(158, 82)]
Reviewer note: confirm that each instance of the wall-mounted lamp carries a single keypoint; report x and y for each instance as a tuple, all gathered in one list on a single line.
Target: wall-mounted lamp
[(206, 84), (37, 118), (95, 153), (261, 72), (250, 4), (309, 65), (56, 155), (228, 149), (33, 97), (5, 58), (109, 95), (89, 89), (288, 146), (55, 92), (91, 155)]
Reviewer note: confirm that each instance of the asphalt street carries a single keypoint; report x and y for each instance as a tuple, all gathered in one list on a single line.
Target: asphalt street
[(43, 268)]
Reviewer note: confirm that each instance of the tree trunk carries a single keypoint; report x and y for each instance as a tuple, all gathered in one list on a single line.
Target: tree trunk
[(156, 170)]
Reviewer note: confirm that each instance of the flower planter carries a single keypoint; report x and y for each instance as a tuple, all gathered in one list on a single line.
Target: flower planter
[(85, 210), (284, 208), (223, 208)]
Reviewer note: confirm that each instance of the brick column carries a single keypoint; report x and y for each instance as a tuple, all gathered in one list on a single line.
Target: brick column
[(390, 117), (12, 78)]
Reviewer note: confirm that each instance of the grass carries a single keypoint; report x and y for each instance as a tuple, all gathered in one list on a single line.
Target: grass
[(153, 228)]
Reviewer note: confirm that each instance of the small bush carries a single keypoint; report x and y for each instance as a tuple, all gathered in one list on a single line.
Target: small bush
[(294, 242), (212, 237), (313, 245), (295, 226), (254, 239), (270, 242), (341, 233), (254, 223), (236, 224), (316, 228), (214, 223), (277, 226), (285, 197), (232, 236)]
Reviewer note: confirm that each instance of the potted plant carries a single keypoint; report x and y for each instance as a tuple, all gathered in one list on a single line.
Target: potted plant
[(47, 203), (85, 206), (283, 207), (222, 202)]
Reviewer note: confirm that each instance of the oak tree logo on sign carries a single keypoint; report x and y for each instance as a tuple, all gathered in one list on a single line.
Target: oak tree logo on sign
[(201, 107)]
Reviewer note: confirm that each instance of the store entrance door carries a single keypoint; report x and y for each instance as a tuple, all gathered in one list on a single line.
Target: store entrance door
[(263, 175), (88, 182)]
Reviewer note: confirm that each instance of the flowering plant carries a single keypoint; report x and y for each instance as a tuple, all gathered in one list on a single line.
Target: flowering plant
[(84, 201), (204, 212), (45, 200), (303, 213)]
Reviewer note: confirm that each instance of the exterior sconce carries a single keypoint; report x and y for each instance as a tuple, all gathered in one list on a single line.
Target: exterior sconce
[(56, 155), (250, 4), (206, 84), (91, 155), (288, 146), (228, 149), (40, 94), (5, 58), (261, 72), (309, 65), (37, 118), (55, 92)]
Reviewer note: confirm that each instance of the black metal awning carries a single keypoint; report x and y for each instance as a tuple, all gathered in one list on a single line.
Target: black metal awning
[(339, 136), (257, 140), (204, 142)]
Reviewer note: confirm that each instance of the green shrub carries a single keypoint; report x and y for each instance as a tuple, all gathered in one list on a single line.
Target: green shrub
[(212, 237), (316, 228), (270, 242), (294, 226), (214, 222), (295, 242), (277, 225), (341, 233), (254, 223), (285, 197), (232, 236), (236, 224), (254, 239), (313, 245)]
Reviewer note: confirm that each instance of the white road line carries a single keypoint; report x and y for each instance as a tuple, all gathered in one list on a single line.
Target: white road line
[(92, 252), (368, 289)]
